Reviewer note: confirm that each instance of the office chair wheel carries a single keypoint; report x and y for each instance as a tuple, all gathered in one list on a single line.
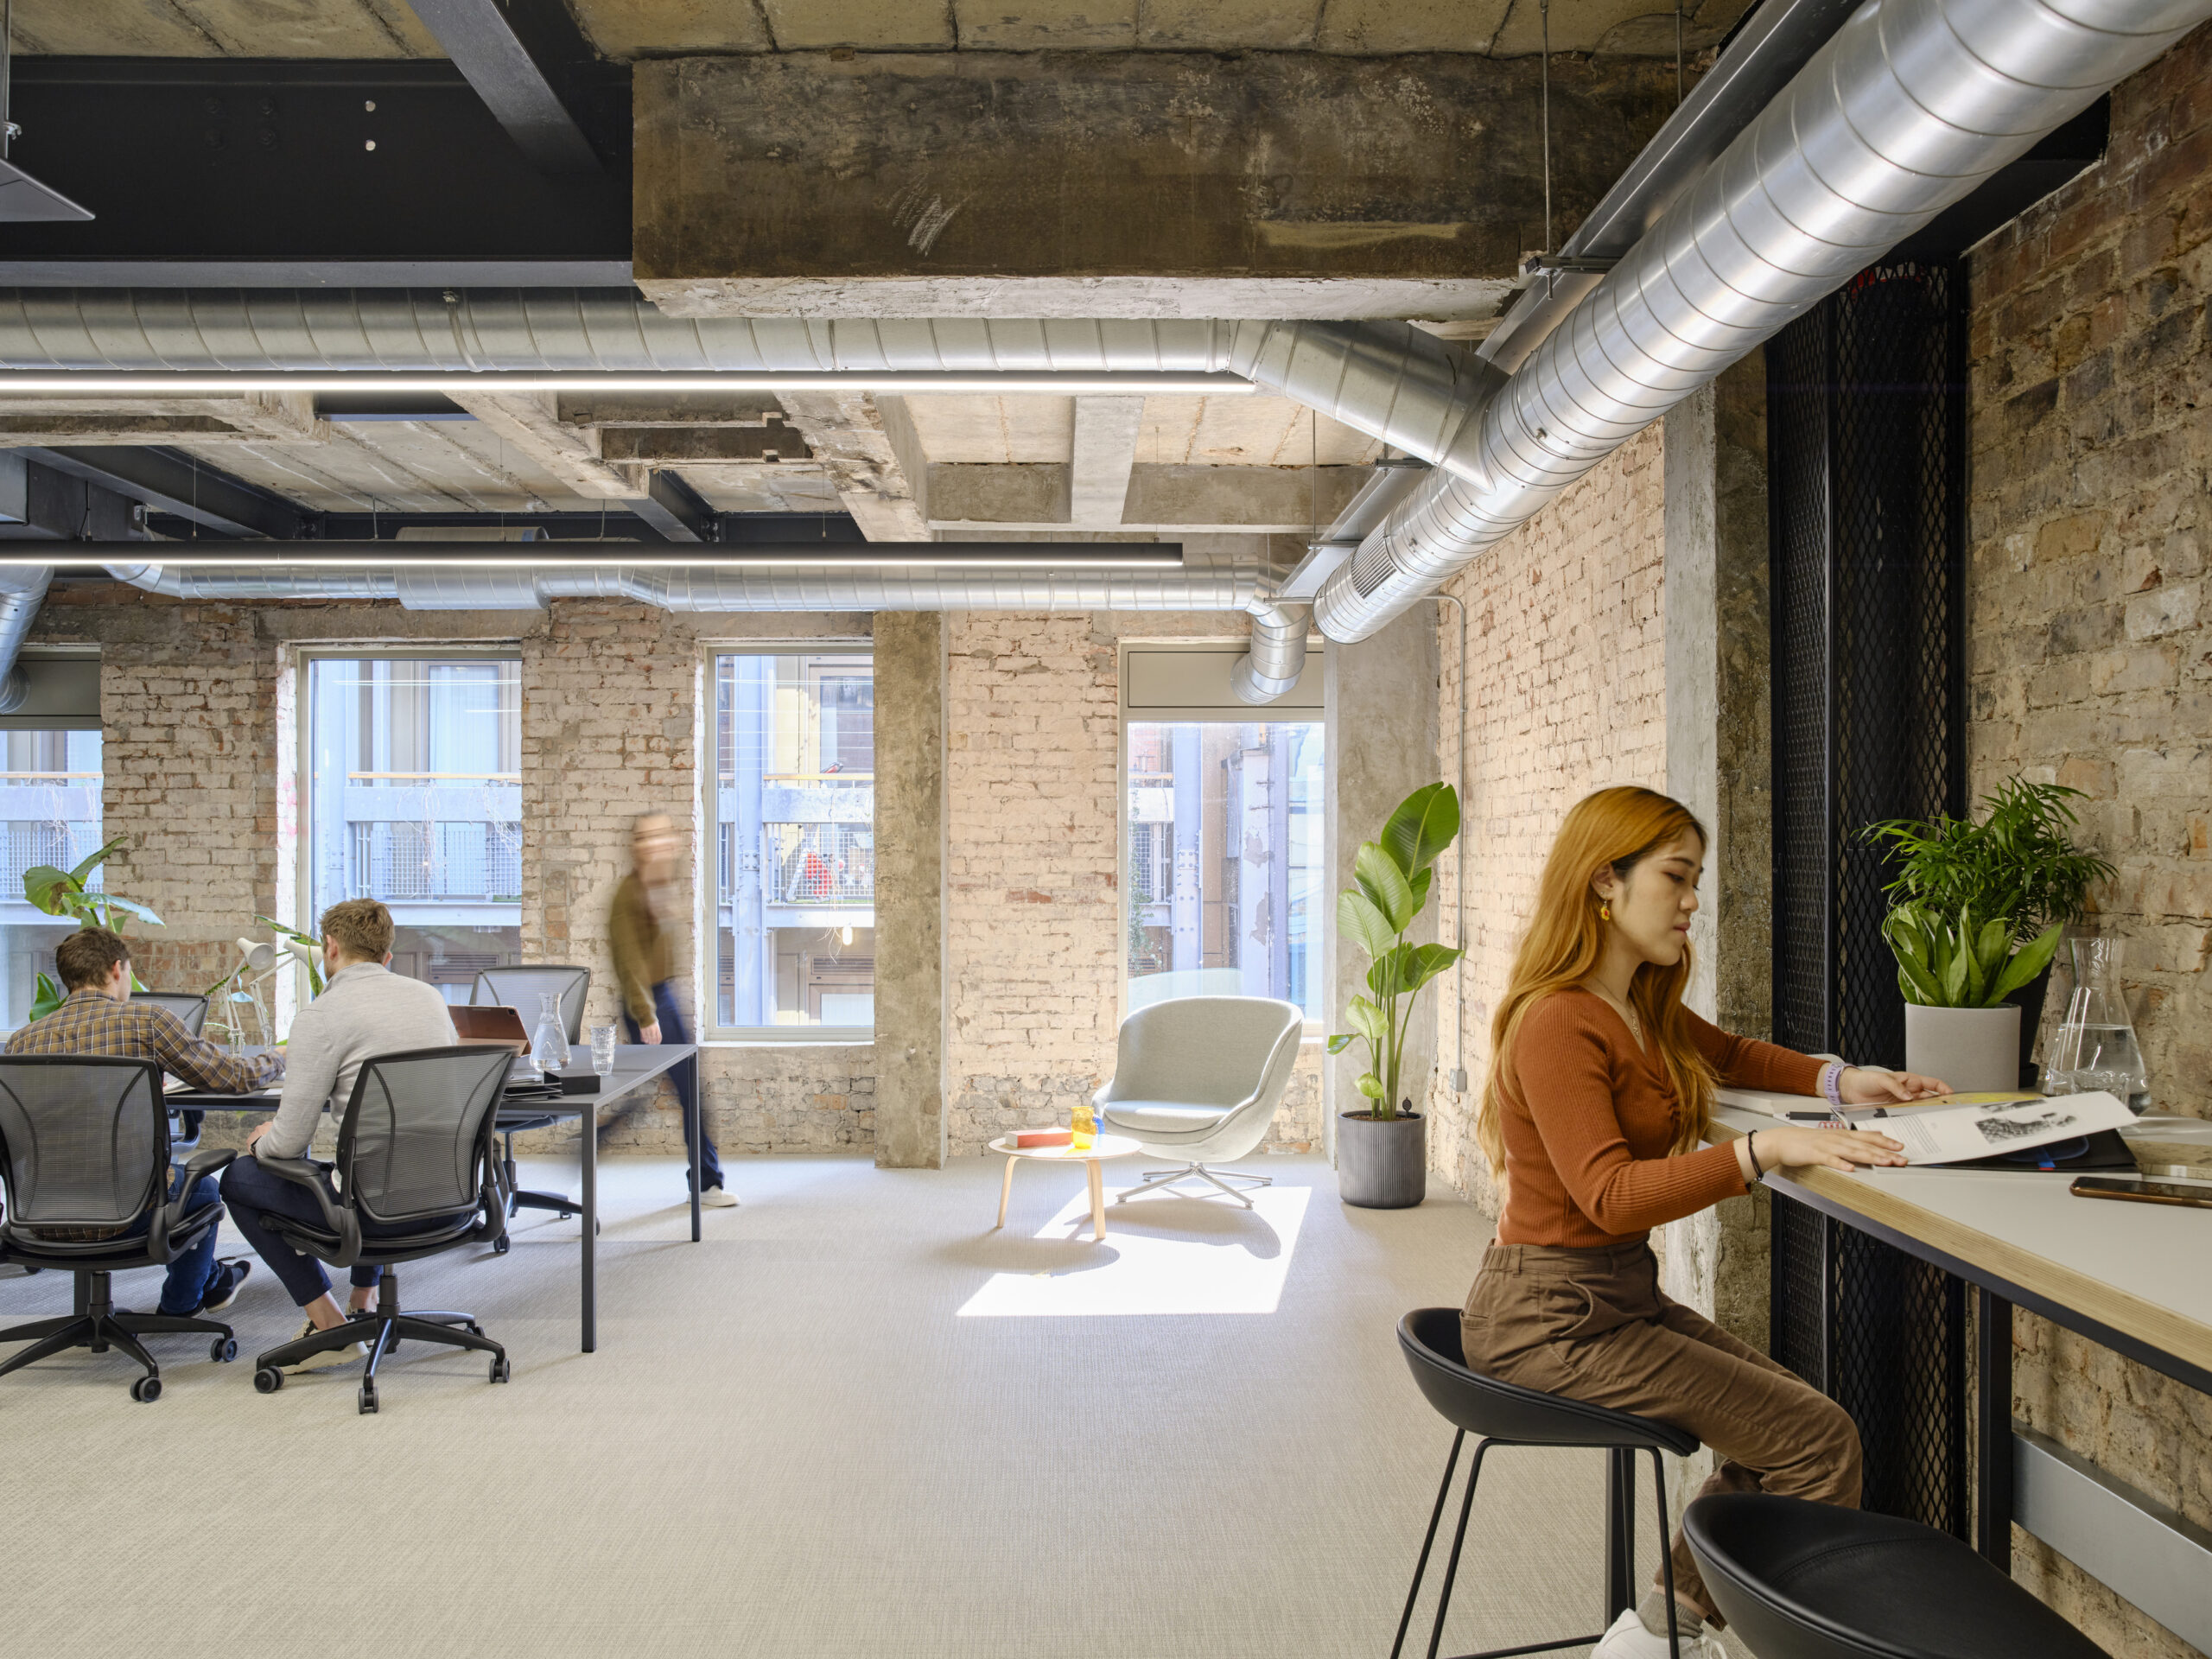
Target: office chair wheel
[(500, 1372), (268, 1379), (223, 1349), (500, 1244), (368, 1399), (146, 1390)]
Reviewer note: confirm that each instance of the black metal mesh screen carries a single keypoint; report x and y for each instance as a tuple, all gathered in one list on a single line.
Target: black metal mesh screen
[(1865, 452), (1883, 1334), (1865, 456)]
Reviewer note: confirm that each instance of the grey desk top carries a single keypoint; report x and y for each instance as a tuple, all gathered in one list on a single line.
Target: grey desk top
[(635, 1065)]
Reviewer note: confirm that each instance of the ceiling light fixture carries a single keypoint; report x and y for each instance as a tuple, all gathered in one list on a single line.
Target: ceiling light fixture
[(87, 382), (24, 199), (851, 556)]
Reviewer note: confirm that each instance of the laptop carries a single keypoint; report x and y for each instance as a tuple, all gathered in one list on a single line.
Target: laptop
[(497, 1025)]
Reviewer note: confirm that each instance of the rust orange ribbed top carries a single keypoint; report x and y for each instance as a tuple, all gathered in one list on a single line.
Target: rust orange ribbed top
[(1589, 1117)]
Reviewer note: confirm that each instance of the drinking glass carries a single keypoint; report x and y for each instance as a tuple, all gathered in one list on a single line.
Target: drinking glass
[(602, 1050)]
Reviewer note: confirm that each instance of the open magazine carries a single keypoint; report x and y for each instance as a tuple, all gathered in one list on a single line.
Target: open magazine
[(1953, 1128)]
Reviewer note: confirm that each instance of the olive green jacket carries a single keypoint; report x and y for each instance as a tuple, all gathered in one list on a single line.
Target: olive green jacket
[(643, 949)]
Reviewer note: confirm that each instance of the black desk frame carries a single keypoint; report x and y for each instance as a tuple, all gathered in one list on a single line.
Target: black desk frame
[(1995, 1297), (677, 1061)]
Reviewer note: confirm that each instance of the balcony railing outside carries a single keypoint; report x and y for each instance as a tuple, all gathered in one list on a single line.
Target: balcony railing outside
[(431, 863), (821, 863)]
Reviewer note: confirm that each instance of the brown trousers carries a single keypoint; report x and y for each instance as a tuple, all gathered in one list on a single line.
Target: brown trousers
[(1591, 1324)]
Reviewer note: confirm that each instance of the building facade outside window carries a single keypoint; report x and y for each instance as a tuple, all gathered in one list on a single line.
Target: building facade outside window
[(412, 783), (1222, 848), (50, 805), (791, 843)]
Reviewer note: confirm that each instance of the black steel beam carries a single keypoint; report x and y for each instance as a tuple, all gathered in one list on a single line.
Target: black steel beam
[(613, 526), (524, 58), (672, 507), (171, 483), (245, 173)]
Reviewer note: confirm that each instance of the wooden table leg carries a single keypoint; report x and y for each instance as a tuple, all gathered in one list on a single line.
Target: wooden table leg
[(1097, 1200), (1005, 1189)]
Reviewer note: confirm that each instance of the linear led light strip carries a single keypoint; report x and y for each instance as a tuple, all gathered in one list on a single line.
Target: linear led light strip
[(526, 557), (76, 382)]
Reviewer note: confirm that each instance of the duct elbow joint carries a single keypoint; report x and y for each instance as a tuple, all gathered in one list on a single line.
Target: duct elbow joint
[(1270, 668)]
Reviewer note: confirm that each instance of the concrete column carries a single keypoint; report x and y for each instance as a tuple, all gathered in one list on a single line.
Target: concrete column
[(909, 822), (1715, 608), (1381, 747)]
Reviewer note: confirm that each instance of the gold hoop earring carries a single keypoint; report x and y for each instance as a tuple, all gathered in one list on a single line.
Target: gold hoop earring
[(1605, 910)]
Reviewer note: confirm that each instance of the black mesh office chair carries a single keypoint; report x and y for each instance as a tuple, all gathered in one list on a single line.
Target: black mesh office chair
[(519, 989), (415, 1177), (85, 1148), (191, 1009)]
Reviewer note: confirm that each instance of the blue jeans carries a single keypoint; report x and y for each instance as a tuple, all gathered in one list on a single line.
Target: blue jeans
[(253, 1195), (187, 1283), (687, 1089)]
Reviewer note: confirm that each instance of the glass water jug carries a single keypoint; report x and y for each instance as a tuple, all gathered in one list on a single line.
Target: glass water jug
[(549, 1048), (2095, 1048)]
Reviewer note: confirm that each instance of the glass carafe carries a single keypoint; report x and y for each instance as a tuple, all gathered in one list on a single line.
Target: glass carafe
[(549, 1048), (2095, 1048)]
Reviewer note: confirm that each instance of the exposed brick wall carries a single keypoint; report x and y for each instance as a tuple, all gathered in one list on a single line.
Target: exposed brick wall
[(2090, 656), (1032, 920), (1568, 668)]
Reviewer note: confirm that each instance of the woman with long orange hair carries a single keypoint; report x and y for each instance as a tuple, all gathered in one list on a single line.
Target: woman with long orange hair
[(1600, 1092)]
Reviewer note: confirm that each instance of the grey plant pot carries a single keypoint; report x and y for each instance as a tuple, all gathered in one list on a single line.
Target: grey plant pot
[(1382, 1164), (1976, 1051)]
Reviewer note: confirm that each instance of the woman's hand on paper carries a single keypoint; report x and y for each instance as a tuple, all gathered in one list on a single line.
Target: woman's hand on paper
[(1870, 1085), (1797, 1148)]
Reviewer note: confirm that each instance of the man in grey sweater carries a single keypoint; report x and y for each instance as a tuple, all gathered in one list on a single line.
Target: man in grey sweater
[(364, 1009)]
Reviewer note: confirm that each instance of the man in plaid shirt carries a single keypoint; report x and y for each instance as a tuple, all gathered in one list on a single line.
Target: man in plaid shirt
[(99, 1018)]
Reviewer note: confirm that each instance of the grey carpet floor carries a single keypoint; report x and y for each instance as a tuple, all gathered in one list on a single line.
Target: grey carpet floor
[(854, 1420)]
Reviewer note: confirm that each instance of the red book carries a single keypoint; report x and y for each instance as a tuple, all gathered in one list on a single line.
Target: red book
[(1044, 1138)]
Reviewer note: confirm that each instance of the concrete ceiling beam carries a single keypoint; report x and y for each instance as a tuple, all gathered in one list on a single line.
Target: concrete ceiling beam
[(1036, 496), (1157, 183), (1106, 431)]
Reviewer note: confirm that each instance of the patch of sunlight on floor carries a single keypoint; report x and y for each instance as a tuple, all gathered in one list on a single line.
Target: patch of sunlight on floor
[(1162, 1255)]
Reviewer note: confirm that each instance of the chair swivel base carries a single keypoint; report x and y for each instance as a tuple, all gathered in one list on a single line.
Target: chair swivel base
[(1160, 1180), (382, 1328), (100, 1327)]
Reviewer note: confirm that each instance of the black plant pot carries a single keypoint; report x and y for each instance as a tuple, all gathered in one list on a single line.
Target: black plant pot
[(2029, 1000), (1382, 1163)]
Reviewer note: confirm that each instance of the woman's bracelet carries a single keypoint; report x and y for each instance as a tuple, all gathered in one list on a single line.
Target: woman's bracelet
[(1752, 1152), (1832, 1081)]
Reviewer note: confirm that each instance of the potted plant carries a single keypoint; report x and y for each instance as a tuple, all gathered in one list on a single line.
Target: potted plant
[(65, 892), (1979, 908), (1383, 1152)]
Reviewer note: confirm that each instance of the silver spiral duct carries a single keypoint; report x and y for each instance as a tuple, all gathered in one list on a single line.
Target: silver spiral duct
[(22, 590), (1271, 667), (1910, 106), (712, 589)]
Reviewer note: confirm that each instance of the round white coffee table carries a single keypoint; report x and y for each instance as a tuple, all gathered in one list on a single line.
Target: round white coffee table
[(1101, 1146)]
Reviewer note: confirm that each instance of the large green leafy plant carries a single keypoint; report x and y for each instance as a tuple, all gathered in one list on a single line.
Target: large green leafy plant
[(68, 894), (1394, 874), (1978, 906)]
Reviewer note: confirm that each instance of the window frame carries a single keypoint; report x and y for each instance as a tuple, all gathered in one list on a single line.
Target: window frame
[(707, 871), (1227, 712), (304, 659)]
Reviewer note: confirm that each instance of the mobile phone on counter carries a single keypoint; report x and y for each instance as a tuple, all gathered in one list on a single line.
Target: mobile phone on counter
[(2196, 1194)]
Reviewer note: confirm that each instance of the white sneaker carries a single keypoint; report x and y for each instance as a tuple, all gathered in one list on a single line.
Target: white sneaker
[(1628, 1639), (331, 1358), (718, 1198)]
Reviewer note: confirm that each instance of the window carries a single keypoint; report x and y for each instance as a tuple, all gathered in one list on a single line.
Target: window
[(793, 840), (50, 806), (1222, 846), (413, 785)]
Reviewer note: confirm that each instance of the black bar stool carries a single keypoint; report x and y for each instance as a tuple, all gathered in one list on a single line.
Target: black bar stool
[(1801, 1580), (1503, 1414)]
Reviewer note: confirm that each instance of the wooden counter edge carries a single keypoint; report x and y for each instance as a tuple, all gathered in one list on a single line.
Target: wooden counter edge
[(2148, 1323)]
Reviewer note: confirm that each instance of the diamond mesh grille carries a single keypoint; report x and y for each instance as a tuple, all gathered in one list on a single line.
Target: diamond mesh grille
[(1867, 535), (1865, 459)]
